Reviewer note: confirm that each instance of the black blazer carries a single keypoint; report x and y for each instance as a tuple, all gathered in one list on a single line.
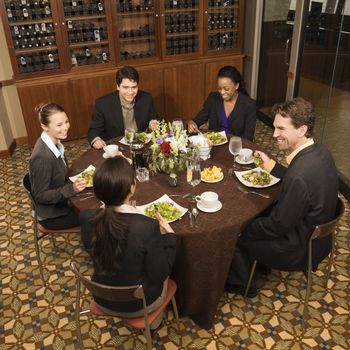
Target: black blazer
[(242, 119), (148, 259), (308, 197), (50, 186), (107, 117)]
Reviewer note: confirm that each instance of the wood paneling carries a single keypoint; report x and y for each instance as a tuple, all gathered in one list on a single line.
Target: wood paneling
[(184, 90), (31, 96), (84, 93), (152, 81)]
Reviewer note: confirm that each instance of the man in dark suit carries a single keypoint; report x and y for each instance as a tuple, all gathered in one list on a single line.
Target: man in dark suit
[(308, 197), (128, 107)]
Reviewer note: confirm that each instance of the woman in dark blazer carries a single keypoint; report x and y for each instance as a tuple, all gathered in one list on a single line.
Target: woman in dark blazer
[(229, 109), (48, 168), (126, 247)]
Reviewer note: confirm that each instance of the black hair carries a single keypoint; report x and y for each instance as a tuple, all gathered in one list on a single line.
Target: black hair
[(112, 184), (127, 72), (232, 73)]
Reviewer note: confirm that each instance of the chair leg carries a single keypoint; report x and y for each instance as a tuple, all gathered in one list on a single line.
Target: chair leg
[(173, 301), (330, 260), (148, 337), (77, 316), (250, 278), (37, 250), (307, 295)]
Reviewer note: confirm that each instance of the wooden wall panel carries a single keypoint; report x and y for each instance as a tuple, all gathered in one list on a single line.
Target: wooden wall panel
[(31, 96), (152, 81), (184, 90), (85, 91)]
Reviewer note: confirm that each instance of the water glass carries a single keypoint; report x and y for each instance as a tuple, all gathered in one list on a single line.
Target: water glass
[(177, 124), (129, 135), (193, 174), (142, 174), (235, 147)]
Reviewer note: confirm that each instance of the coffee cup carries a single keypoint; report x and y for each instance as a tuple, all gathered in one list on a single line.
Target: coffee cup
[(208, 199), (246, 154), (111, 150)]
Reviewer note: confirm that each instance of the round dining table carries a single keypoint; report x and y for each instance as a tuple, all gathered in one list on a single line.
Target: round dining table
[(204, 253)]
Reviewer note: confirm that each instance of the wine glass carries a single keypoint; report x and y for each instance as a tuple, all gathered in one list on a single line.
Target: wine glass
[(235, 147), (129, 135), (193, 174)]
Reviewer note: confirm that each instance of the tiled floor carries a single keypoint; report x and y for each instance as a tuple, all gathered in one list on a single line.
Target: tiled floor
[(37, 317)]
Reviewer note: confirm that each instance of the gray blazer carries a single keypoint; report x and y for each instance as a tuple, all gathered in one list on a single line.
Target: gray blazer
[(50, 186)]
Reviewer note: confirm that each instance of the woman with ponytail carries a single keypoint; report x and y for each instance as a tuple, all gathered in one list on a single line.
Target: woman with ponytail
[(229, 109), (126, 246)]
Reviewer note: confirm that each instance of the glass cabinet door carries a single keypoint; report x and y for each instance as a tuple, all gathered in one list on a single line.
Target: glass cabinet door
[(33, 35), (181, 26), (223, 25), (86, 26), (136, 26)]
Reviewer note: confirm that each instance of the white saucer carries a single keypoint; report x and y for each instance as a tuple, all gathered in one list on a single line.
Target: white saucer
[(241, 161), (217, 207), (105, 155)]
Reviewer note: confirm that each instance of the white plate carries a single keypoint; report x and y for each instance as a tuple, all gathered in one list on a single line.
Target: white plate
[(164, 198), (124, 142), (223, 133), (214, 181), (210, 210), (73, 178), (240, 174), (239, 160)]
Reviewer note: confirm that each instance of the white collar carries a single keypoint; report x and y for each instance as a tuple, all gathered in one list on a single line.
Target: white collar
[(57, 150), (127, 208)]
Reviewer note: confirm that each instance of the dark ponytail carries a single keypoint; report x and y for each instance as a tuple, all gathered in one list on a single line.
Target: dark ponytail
[(112, 184), (233, 74)]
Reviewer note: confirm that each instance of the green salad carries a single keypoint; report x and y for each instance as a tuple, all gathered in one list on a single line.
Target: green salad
[(166, 209), (215, 137), (261, 178), (88, 176), (257, 160), (142, 137)]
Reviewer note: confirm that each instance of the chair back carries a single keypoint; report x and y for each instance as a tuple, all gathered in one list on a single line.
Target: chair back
[(111, 293), (328, 228)]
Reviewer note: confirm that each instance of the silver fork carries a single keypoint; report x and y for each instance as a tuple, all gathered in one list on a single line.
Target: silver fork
[(84, 198), (180, 195), (253, 192)]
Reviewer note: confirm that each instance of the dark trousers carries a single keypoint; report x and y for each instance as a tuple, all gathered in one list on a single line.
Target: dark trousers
[(62, 222)]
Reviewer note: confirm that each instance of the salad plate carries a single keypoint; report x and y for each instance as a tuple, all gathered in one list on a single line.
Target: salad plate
[(257, 178), (217, 138), (138, 138), (87, 175), (169, 209)]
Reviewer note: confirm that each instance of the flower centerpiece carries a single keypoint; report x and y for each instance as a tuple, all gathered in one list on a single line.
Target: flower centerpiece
[(170, 149)]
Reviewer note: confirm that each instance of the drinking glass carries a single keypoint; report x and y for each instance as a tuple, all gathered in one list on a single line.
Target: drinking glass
[(129, 135), (177, 123), (235, 147), (193, 174)]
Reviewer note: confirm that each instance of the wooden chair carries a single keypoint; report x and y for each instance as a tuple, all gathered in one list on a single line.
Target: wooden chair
[(122, 294), (40, 231), (320, 231)]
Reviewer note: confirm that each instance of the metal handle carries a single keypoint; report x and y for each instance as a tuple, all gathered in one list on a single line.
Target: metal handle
[(260, 194), (286, 51)]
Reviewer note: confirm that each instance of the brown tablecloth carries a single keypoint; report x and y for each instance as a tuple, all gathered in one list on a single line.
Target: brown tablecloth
[(204, 254)]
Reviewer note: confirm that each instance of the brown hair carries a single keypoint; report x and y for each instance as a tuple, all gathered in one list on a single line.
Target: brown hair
[(46, 110), (300, 111)]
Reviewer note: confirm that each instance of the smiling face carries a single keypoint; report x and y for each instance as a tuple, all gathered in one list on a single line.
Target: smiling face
[(227, 88), (58, 126), (128, 90), (287, 136)]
